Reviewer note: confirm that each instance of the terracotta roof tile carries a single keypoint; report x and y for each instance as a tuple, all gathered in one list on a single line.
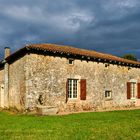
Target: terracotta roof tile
[(70, 50), (78, 51)]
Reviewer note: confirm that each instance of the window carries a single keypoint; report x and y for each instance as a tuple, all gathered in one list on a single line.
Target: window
[(71, 61), (108, 94), (76, 89), (133, 89), (72, 88)]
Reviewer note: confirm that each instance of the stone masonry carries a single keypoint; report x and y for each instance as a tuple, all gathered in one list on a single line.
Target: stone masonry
[(48, 75), (36, 75)]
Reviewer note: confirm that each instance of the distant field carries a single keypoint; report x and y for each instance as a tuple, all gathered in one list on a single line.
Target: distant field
[(117, 125)]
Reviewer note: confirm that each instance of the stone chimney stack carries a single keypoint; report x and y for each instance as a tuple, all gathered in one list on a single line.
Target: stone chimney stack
[(6, 78), (7, 52)]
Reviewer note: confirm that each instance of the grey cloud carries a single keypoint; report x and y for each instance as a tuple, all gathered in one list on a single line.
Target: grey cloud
[(107, 26)]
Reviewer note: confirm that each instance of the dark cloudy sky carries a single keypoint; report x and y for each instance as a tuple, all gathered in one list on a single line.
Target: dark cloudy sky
[(110, 26)]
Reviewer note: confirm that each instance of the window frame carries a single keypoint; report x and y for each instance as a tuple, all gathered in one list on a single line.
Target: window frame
[(108, 93), (133, 89), (72, 90)]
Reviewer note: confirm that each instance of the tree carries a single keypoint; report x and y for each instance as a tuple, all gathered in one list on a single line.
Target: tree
[(130, 57)]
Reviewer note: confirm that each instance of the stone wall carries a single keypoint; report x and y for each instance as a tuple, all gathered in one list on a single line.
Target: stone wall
[(1, 75), (46, 76), (17, 83), (1, 88)]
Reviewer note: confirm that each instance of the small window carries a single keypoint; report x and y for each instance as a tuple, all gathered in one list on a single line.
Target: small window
[(72, 88), (133, 89), (71, 61), (108, 94)]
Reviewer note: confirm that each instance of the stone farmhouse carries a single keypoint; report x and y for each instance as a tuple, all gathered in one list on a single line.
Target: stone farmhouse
[(68, 78)]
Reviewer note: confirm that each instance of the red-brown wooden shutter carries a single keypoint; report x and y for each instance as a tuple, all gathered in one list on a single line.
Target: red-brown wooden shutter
[(83, 89), (128, 90), (138, 85), (66, 90)]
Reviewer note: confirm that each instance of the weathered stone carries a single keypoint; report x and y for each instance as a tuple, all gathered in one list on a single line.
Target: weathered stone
[(47, 110), (35, 75)]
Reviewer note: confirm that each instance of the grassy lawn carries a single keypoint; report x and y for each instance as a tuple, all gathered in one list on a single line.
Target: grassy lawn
[(116, 125)]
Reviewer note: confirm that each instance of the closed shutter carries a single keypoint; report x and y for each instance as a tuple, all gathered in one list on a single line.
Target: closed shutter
[(66, 90), (138, 85), (83, 89), (128, 90)]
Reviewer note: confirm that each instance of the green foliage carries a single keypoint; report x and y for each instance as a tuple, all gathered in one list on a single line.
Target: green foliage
[(114, 125), (130, 57)]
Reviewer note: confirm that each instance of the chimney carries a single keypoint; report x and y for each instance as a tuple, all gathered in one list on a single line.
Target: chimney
[(7, 52)]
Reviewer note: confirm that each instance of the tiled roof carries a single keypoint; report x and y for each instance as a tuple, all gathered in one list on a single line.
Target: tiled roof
[(68, 50), (78, 51)]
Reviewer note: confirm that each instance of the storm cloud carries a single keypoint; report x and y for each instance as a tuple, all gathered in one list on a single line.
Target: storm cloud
[(110, 26)]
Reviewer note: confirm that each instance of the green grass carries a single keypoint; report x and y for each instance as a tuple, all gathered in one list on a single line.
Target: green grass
[(116, 125)]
